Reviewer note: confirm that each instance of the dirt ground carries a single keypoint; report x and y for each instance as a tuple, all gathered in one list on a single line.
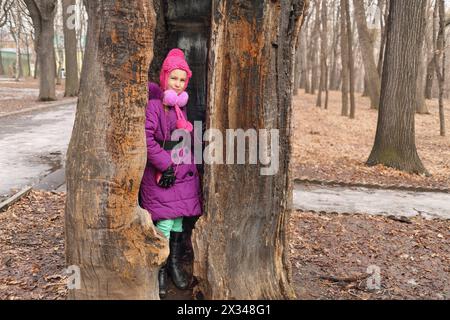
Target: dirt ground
[(328, 146), (16, 96), (330, 254)]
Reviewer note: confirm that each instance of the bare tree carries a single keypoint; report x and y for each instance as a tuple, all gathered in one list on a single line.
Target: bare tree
[(351, 63), (366, 45), (70, 48), (323, 84), (335, 77), (42, 13), (314, 49), (344, 59), (395, 136), (421, 106), (5, 7), (440, 62)]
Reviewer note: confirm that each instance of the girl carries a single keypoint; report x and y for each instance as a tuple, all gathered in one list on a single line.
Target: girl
[(169, 190)]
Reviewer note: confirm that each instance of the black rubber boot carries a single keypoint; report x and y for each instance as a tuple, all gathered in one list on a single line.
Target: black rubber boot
[(188, 252), (174, 265), (162, 280)]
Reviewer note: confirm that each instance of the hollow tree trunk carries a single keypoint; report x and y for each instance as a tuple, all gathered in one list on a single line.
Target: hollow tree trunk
[(111, 239), (70, 49), (395, 137), (241, 241)]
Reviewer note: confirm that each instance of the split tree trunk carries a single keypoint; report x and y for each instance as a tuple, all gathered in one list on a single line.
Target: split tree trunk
[(111, 239), (241, 243), (395, 137), (70, 49)]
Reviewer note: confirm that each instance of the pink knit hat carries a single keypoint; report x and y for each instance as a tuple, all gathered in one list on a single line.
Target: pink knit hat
[(174, 60)]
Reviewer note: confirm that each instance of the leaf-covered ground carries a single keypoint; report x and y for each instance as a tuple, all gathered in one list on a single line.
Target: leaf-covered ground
[(22, 95), (330, 254), (328, 146)]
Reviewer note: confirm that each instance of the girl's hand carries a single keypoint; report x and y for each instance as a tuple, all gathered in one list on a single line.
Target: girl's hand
[(167, 179)]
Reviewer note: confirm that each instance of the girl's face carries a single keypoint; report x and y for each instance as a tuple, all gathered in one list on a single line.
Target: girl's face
[(177, 80)]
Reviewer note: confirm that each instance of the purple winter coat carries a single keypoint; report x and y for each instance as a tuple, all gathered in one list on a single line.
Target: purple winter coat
[(183, 199)]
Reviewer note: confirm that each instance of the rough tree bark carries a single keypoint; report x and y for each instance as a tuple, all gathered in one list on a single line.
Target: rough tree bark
[(43, 13), (241, 249), (108, 236), (395, 137), (70, 48), (366, 45)]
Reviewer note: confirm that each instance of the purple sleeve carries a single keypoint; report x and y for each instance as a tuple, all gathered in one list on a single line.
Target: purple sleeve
[(156, 155)]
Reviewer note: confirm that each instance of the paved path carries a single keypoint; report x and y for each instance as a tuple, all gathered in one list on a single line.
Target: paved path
[(33, 144), (371, 201)]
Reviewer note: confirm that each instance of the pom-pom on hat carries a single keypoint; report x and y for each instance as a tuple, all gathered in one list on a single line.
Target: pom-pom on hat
[(174, 60)]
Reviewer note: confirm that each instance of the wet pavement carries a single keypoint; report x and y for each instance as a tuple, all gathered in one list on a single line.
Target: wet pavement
[(371, 201), (32, 145)]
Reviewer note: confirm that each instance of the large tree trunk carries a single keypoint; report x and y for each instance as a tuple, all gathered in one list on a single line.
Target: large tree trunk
[(241, 241), (111, 239), (43, 14), (366, 44), (70, 49), (395, 137)]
